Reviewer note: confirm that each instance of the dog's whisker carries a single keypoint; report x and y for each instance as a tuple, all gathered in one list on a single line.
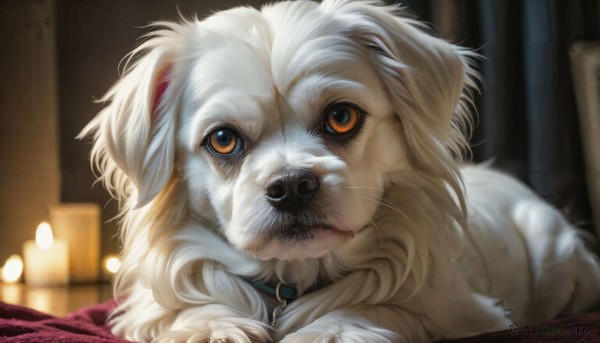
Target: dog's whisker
[(386, 204)]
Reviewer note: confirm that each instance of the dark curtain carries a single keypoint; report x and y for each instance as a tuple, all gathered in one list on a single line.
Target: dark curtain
[(528, 122)]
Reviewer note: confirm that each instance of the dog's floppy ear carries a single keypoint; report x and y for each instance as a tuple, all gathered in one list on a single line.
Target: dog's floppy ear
[(429, 80), (134, 147)]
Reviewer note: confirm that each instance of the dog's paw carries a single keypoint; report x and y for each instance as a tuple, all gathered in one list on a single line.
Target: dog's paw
[(215, 331), (341, 332)]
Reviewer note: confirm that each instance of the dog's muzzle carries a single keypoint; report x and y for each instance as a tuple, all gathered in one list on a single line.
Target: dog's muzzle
[(292, 191)]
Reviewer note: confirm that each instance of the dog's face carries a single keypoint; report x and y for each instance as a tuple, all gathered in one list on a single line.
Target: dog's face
[(286, 125), (290, 137)]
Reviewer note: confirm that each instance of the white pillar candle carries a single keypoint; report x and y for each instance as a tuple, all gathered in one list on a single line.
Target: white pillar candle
[(79, 225), (46, 259)]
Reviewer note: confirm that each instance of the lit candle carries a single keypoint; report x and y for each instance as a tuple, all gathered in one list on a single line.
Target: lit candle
[(12, 270), (79, 225), (46, 259), (112, 264)]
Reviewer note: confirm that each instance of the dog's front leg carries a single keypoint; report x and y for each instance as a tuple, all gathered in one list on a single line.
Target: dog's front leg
[(214, 323), (362, 323)]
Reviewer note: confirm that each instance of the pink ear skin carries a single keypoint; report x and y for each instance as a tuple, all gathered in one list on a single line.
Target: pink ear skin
[(162, 78)]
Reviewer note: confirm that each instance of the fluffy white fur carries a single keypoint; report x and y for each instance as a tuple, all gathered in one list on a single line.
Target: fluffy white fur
[(421, 250)]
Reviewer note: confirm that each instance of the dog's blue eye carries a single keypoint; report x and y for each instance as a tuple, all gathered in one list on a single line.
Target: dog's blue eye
[(224, 141)]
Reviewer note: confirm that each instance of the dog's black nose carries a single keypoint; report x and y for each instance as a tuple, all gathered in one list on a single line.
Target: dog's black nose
[(293, 190)]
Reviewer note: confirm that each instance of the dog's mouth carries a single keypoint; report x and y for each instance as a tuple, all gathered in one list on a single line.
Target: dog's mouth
[(302, 232), (297, 236), (303, 227)]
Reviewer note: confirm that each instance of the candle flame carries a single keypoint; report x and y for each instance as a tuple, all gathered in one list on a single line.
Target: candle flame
[(112, 264), (13, 268), (43, 236)]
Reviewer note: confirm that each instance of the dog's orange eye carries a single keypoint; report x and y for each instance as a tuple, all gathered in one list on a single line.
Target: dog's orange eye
[(224, 141), (342, 119)]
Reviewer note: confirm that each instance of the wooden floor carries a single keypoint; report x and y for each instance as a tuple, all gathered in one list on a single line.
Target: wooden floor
[(57, 301)]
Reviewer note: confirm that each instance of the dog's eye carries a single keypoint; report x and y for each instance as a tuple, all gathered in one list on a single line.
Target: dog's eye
[(342, 119), (224, 141)]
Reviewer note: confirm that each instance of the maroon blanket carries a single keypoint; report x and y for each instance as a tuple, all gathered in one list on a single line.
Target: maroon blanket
[(21, 324)]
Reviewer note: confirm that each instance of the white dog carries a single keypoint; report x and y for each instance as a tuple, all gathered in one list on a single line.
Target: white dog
[(293, 174)]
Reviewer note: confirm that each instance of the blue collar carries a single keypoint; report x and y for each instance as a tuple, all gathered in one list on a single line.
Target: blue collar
[(279, 291)]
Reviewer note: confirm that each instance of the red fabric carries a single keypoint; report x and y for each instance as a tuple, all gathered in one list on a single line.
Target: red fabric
[(21, 324)]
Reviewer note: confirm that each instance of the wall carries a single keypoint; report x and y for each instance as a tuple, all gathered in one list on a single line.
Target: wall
[(29, 157)]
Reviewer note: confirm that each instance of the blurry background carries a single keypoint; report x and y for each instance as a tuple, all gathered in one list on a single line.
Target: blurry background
[(57, 56)]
